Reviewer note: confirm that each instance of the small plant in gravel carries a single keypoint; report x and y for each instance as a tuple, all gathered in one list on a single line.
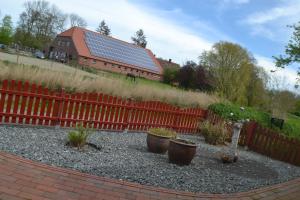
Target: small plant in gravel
[(78, 137), (214, 134), (163, 132)]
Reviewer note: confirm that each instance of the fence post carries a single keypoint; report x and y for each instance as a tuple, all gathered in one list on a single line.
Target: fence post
[(250, 133), (60, 108)]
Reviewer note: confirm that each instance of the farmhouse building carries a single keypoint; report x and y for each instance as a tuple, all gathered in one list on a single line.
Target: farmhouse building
[(92, 49)]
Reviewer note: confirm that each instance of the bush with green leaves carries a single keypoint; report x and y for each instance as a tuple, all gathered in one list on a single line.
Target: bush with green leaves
[(78, 137), (163, 132), (234, 113), (216, 133)]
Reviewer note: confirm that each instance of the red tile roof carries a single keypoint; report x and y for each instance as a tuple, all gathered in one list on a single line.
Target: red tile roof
[(77, 35)]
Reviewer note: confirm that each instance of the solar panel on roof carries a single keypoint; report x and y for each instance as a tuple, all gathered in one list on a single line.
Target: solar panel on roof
[(105, 47)]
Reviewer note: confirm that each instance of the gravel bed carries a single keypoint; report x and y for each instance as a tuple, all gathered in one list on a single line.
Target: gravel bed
[(125, 156)]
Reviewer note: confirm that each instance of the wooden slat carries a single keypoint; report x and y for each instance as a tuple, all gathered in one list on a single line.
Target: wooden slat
[(70, 110), (103, 112), (24, 101), (37, 104), (65, 108), (44, 103), (9, 101), (98, 111), (16, 102)]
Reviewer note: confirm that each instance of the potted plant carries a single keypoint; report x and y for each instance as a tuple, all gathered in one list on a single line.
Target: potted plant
[(181, 152), (158, 139)]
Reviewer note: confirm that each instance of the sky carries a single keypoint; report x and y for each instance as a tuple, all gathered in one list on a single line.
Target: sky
[(182, 30)]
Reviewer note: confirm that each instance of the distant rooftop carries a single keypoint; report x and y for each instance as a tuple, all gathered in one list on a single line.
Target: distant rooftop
[(96, 45)]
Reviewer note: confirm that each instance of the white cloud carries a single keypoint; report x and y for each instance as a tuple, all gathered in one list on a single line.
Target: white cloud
[(271, 23)]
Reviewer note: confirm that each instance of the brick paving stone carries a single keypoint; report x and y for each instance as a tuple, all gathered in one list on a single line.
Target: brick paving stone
[(22, 179)]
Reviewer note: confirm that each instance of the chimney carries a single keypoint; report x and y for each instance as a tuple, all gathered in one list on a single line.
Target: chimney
[(170, 60)]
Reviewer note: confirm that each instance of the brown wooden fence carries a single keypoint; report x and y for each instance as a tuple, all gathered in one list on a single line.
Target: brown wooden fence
[(24, 103)]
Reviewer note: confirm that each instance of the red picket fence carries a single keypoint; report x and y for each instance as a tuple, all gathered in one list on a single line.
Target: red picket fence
[(266, 141), (272, 144), (24, 103)]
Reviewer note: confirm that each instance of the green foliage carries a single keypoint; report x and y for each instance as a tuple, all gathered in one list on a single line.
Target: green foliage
[(225, 110), (235, 74), (103, 28), (291, 127), (214, 133), (170, 75), (163, 132), (292, 50), (297, 109), (139, 38), (78, 137), (6, 30)]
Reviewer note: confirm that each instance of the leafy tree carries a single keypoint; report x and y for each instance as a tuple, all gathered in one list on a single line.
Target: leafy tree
[(203, 79), (170, 75), (231, 67), (186, 75), (292, 50), (103, 28), (297, 108), (39, 23), (76, 20), (6, 30), (257, 95), (139, 38)]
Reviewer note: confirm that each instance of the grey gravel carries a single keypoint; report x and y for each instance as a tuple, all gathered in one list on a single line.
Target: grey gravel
[(125, 156)]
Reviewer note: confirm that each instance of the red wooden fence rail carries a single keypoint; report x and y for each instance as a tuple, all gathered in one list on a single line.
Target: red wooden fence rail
[(23, 103)]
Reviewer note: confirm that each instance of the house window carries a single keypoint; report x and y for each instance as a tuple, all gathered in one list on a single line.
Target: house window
[(94, 61), (105, 64), (68, 44), (84, 59)]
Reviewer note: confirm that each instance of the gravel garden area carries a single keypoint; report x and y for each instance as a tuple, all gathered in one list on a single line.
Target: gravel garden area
[(125, 156)]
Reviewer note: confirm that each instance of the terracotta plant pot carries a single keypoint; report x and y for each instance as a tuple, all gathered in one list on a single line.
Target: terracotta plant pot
[(181, 152), (157, 144)]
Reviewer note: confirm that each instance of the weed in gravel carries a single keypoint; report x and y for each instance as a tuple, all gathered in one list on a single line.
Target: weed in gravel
[(78, 137)]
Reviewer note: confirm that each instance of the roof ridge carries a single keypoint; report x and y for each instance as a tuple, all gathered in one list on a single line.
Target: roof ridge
[(111, 37)]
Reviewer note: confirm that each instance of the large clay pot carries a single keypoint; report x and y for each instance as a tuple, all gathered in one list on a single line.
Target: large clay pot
[(157, 144), (181, 152)]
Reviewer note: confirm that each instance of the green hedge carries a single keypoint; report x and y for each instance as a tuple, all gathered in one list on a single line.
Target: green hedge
[(291, 127)]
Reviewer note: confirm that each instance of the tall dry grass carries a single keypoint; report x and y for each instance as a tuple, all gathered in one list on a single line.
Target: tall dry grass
[(77, 82)]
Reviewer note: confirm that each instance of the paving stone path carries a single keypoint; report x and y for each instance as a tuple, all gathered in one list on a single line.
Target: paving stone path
[(22, 179)]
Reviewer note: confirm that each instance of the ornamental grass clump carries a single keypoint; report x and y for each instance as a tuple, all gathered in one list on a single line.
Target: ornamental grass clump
[(216, 133), (163, 132), (78, 137)]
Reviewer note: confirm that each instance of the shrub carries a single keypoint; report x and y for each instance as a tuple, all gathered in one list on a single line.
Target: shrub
[(78, 137), (225, 110), (163, 132), (214, 133)]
